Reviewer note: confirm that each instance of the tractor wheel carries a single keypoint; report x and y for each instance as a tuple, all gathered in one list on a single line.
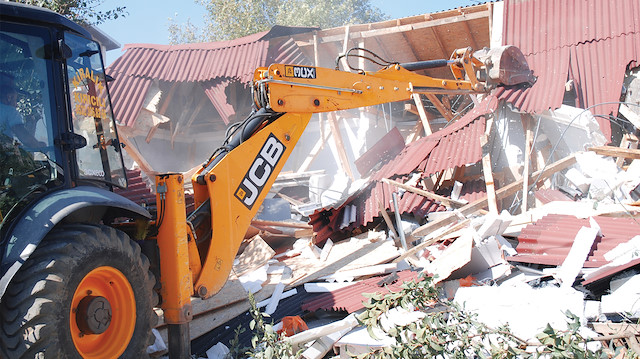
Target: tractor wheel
[(85, 292)]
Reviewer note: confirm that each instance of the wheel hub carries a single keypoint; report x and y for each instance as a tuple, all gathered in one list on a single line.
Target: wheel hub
[(94, 315)]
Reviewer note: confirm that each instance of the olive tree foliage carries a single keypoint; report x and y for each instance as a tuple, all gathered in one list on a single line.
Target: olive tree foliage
[(82, 11), (230, 19)]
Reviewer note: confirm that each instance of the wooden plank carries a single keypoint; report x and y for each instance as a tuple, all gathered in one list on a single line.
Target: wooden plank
[(342, 154), (431, 241), (208, 321), (616, 152), (387, 219), (628, 141), (136, 155), (231, 292), (416, 132), (355, 35), (488, 180), (505, 191), (423, 114), (516, 186), (446, 113), (314, 152), (444, 200), (345, 47), (628, 113), (487, 171), (526, 123), (255, 255), (344, 255), (281, 224)]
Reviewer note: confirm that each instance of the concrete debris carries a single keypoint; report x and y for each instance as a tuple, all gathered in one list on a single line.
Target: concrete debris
[(218, 351)]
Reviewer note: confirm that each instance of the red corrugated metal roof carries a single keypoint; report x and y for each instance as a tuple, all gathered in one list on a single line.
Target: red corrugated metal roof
[(592, 41), (460, 145), (549, 240), (194, 62), (201, 62), (350, 299)]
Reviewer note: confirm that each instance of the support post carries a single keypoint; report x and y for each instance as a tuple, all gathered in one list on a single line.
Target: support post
[(175, 275)]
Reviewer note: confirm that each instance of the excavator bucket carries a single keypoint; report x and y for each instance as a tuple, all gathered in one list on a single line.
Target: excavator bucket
[(505, 65)]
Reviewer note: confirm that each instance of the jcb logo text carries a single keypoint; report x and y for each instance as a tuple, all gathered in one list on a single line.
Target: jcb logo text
[(253, 182)]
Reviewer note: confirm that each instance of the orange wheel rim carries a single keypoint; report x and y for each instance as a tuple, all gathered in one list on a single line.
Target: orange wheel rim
[(111, 285)]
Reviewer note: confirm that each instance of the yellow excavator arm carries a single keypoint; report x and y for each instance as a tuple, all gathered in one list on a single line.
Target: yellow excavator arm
[(197, 251)]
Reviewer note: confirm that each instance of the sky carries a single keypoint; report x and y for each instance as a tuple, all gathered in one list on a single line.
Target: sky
[(148, 20)]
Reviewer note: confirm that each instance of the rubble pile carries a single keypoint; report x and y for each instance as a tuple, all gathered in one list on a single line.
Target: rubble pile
[(573, 247)]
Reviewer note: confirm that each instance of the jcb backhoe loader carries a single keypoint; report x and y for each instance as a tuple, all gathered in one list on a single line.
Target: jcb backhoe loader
[(74, 281)]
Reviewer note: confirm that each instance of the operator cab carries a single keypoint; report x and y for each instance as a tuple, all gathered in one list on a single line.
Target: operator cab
[(56, 122)]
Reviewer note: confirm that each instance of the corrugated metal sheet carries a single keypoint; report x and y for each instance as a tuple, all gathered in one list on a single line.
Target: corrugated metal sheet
[(589, 41), (350, 299), (609, 272), (460, 145), (549, 240), (208, 63), (127, 96), (546, 195), (459, 148), (194, 62)]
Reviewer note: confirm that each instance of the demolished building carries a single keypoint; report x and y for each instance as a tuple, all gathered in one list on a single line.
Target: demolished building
[(514, 175)]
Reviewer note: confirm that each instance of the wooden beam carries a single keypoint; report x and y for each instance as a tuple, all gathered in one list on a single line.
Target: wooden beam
[(416, 133), (474, 44), (402, 28), (345, 47), (387, 219), (203, 100), (313, 154), (444, 200), (526, 124), (487, 170), (616, 152), (167, 100), (446, 113), (134, 153), (410, 46), (514, 187), (503, 192), (337, 136), (488, 181), (430, 241), (281, 224), (445, 55), (316, 56), (423, 114)]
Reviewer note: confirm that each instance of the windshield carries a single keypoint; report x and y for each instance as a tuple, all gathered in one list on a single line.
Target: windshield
[(92, 116), (28, 160)]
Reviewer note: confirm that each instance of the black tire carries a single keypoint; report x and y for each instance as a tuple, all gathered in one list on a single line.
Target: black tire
[(36, 317)]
